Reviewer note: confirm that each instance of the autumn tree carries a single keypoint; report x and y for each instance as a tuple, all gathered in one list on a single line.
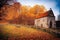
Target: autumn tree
[(28, 14), (10, 11), (19, 14), (13, 12)]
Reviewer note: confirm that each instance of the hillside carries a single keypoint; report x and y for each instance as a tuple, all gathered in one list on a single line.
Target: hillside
[(20, 32)]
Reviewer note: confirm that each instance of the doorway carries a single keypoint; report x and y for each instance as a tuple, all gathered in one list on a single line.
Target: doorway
[(50, 24)]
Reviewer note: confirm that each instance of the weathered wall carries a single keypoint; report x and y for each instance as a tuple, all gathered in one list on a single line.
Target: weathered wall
[(52, 19), (45, 22), (41, 22)]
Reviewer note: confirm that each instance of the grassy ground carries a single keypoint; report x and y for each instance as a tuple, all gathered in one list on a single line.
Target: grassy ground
[(54, 32), (22, 32)]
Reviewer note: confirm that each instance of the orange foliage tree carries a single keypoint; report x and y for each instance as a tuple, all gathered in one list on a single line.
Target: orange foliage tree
[(22, 14), (10, 11)]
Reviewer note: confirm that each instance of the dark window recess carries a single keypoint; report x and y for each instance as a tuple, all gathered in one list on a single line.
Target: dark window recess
[(50, 24)]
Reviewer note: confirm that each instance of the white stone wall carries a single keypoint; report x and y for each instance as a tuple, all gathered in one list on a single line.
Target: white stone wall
[(45, 22), (42, 22), (52, 19)]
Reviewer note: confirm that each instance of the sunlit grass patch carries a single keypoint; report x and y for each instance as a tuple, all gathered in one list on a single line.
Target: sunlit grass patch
[(11, 31)]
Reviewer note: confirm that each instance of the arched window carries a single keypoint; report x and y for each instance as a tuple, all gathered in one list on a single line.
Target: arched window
[(50, 24)]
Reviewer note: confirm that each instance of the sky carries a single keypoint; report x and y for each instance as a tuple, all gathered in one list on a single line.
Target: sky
[(54, 4)]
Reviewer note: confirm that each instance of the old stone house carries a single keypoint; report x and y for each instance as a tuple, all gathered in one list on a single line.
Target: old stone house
[(46, 20)]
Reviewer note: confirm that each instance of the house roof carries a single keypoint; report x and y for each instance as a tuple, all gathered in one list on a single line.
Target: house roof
[(44, 14)]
